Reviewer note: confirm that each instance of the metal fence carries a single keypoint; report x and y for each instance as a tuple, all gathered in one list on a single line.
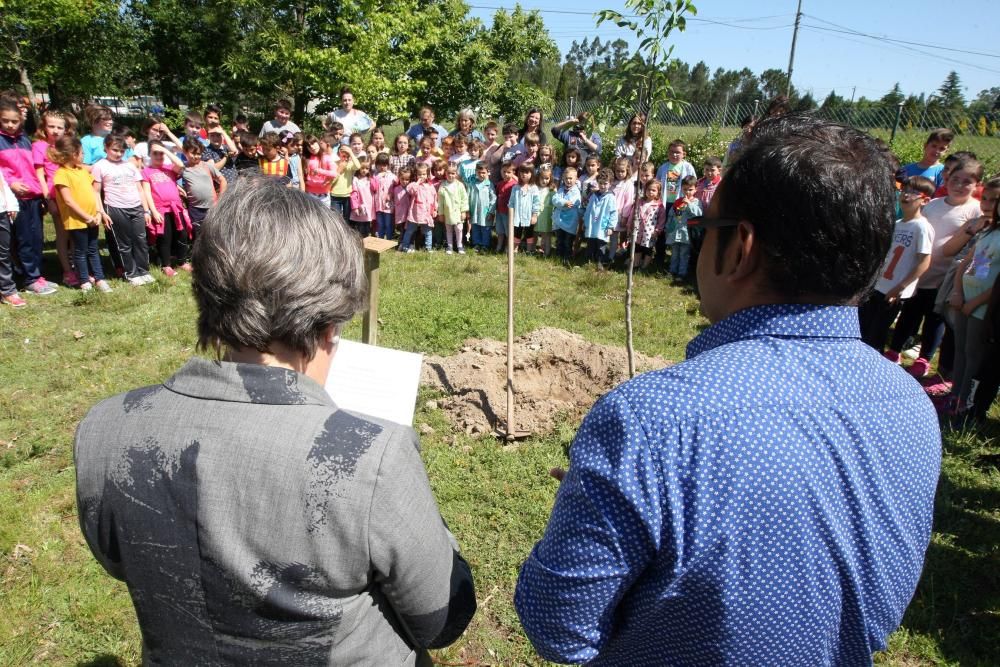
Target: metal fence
[(979, 133)]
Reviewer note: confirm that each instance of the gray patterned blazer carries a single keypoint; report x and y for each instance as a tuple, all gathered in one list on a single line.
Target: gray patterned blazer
[(255, 523)]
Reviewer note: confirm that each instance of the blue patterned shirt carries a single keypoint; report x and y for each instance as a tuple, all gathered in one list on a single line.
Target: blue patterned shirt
[(766, 502)]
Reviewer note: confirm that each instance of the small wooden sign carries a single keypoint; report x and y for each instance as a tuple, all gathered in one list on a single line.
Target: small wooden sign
[(374, 247)]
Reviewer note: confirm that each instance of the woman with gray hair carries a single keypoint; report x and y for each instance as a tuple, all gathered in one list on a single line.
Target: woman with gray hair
[(253, 521), (465, 124)]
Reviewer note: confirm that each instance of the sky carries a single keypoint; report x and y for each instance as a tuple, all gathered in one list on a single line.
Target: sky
[(758, 35)]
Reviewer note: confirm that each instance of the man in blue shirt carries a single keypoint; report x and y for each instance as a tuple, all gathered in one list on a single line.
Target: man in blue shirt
[(768, 501)]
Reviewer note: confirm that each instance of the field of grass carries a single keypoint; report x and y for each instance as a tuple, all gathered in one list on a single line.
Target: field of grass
[(63, 353)]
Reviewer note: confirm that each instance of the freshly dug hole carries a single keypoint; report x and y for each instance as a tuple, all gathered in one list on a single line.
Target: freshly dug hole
[(555, 372)]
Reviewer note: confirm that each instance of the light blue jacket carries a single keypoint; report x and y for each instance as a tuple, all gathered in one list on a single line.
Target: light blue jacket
[(677, 222), (601, 216), (482, 199), (524, 203), (566, 209)]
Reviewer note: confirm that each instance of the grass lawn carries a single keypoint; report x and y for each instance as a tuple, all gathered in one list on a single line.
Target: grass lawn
[(65, 352)]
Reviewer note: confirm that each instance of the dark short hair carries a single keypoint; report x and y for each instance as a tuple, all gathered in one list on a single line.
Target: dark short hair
[(712, 161), (114, 139), (974, 167), (283, 104), (248, 140), (382, 160), (958, 156), (193, 117), (940, 134), (510, 128), (689, 182), (192, 145), (821, 199), (213, 108), (270, 140), (921, 184)]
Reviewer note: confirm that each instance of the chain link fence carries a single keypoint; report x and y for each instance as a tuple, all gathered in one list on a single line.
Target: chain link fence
[(978, 133)]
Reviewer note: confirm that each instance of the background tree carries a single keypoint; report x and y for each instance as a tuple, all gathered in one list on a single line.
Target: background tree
[(950, 93), (74, 49)]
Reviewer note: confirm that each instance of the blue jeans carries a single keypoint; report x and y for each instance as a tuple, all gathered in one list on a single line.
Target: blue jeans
[(482, 236), (411, 229), (680, 253), (7, 285), (85, 254), (384, 225), (28, 237), (342, 205)]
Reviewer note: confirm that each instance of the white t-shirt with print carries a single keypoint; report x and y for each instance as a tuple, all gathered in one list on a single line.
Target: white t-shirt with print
[(910, 238)]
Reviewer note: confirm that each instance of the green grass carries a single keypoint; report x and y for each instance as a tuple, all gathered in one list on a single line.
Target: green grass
[(59, 608)]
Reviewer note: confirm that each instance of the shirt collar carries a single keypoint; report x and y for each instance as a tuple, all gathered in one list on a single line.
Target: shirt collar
[(246, 383), (788, 320)]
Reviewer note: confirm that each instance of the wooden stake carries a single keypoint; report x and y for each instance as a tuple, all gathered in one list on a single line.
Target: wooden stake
[(374, 247)]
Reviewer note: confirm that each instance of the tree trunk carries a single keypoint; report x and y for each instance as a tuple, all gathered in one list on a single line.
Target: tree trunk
[(22, 72)]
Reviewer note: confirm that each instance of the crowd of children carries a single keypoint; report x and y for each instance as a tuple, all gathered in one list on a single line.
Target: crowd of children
[(936, 286), (467, 190), (457, 191)]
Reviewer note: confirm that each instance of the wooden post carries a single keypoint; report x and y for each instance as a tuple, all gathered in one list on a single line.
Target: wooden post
[(374, 247)]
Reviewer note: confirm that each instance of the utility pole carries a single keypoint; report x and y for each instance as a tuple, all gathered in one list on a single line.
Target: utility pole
[(791, 56), (854, 89)]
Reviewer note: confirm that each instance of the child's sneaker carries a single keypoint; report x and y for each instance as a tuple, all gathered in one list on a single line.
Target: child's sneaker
[(70, 279), (169, 272), (186, 266), (148, 279), (892, 356), (448, 251), (461, 251), (137, 281), (86, 287), (103, 286), (15, 301), (409, 250), (935, 384), (918, 368), (912, 352), (41, 287)]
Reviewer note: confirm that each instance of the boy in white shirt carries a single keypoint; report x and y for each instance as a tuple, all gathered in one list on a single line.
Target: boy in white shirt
[(908, 258), (947, 215)]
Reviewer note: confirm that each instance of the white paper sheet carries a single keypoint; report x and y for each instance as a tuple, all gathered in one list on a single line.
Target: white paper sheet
[(376, 381)]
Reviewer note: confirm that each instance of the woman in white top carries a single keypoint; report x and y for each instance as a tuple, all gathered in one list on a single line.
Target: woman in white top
[(355, 121)]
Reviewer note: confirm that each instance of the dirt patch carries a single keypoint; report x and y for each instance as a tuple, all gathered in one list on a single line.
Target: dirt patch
[(555, 373)]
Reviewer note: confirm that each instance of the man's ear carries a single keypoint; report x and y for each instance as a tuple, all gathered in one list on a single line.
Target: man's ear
[(746, 253)]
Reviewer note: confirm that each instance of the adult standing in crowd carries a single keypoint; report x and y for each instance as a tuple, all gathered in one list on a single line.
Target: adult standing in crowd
[(628, 144), (253, 520), (416, 132), (355, 121), (769, 500), (576, 133), (282, 121), (465, 124), (533, 123)]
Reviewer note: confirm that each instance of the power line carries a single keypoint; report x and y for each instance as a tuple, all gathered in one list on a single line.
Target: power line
[(896, 46), (883, 38)]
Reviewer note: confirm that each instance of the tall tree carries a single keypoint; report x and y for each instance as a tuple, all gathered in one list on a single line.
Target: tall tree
[(950, 92), (893, 97)]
